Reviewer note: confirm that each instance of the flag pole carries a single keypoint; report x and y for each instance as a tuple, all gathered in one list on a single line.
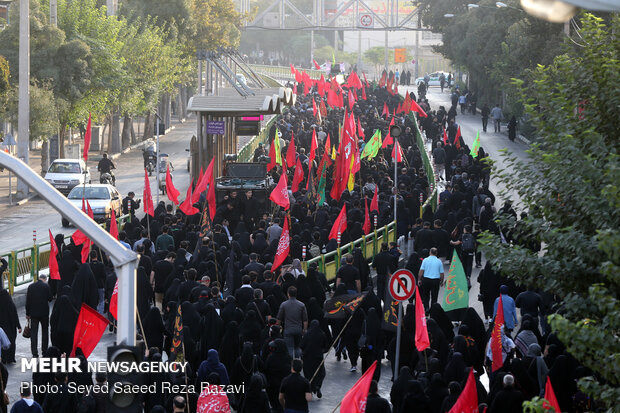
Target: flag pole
[(142, 329), (185, 374), (337, 406), (330, 348)]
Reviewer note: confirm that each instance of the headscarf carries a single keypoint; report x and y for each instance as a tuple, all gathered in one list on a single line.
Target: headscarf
[(455, 370), (534, 352), (84, 288)]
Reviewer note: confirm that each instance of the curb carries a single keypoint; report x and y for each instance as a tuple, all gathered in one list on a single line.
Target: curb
[(28, 198)]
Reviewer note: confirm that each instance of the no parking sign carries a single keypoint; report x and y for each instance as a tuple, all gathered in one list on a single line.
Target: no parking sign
[(402, 285)]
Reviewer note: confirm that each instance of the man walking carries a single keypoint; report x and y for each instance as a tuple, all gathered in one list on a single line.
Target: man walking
[(497, 115), (295, 390), (430, 278), (38, 297), (485, 112), (294, 316), (467, 244), (385, 265), (439, 155)]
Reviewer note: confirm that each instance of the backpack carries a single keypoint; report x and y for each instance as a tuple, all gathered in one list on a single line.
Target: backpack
[(315, 250), (468, 243)]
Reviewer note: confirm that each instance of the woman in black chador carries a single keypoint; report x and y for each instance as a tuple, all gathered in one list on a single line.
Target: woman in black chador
[(9, 321), (62, 324)]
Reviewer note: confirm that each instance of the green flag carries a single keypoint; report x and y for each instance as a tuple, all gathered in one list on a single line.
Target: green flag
[(321, 188), (372, 147), (333, 58), (276, 144), (476, 146), (456, 294)]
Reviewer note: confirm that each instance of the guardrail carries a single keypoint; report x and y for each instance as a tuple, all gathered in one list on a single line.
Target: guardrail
[(370, 244), (25, 263), (284, 73), (429, 168), (246, 154)]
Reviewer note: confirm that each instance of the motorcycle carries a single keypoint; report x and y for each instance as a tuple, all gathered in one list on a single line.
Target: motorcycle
[(150, 158), (107, 178)]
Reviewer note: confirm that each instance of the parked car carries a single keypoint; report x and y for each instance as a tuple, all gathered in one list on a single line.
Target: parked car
[(102, 198), (434, 79), (65, 174)]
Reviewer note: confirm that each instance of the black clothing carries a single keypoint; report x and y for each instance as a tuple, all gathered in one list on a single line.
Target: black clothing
[(61, 402), (9, 322), (507, 400), (38, 297), (154, 329), (62, 322), (105, 166), (530, 303), (377, 404), (423, 240), (348, 275), (84, 288), (162, 270), (295, 388), (243, 296)]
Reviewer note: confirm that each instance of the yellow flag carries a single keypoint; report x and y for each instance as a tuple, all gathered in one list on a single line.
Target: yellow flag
[(351, 182), (333, 153)]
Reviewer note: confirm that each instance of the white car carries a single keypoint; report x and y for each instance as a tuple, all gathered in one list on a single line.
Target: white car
[(65, 174), (434, 79), (102, 198)]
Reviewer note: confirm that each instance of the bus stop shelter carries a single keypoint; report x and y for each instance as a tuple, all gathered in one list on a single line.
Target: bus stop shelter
[(219, 119)]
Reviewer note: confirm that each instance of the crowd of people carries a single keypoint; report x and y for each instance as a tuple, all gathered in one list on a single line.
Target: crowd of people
[(245, 322)]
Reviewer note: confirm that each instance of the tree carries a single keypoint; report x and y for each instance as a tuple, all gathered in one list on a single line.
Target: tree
[(570, 187), (4, 82)]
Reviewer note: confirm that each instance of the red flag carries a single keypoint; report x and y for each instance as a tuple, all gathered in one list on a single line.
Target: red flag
[(113, 309), (313, 147), (328, 145), (416, 108), (293, 71), (353, 81), (320, 86), (316, 65), (388, 139), (87, 137), (211, 200), (496, 337), (79, 238), (445, 137), (89, 210), (351, 98), (383, 79), (146, 196), (396, 152), (113, 225), (53, 262), (298, 176), (201, 185), (171, 191), (272, 155), (374, 204), (322, 108), (315, 110), (88, 330), (340, 225), (550, 397), (458, 132), (386, 110), (468, 400), (284, 246), (291, 155), (421, 332), (457, 143), (366, 227), (279, 195), (363, 93), (355, 399), (187, 206)]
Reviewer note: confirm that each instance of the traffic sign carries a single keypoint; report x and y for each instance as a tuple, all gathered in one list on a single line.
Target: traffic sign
[(402, 285), (366, 21)]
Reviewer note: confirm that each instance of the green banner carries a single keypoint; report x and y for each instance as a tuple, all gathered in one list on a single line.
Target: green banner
[(456, 294), (476, 146)]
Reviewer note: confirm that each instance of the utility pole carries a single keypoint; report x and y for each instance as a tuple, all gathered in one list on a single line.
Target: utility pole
[(111, 6), (54, 13), (23, 109), (387, 23)]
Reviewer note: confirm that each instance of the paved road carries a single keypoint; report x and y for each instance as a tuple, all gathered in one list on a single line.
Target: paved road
[(18, 222)]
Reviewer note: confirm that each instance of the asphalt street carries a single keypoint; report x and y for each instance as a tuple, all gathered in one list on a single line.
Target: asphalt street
[(18, 222)]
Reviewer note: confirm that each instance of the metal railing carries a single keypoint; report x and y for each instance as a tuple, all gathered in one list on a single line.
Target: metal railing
[(284, 73), (246, 154), (25, 263), (370, 245)]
